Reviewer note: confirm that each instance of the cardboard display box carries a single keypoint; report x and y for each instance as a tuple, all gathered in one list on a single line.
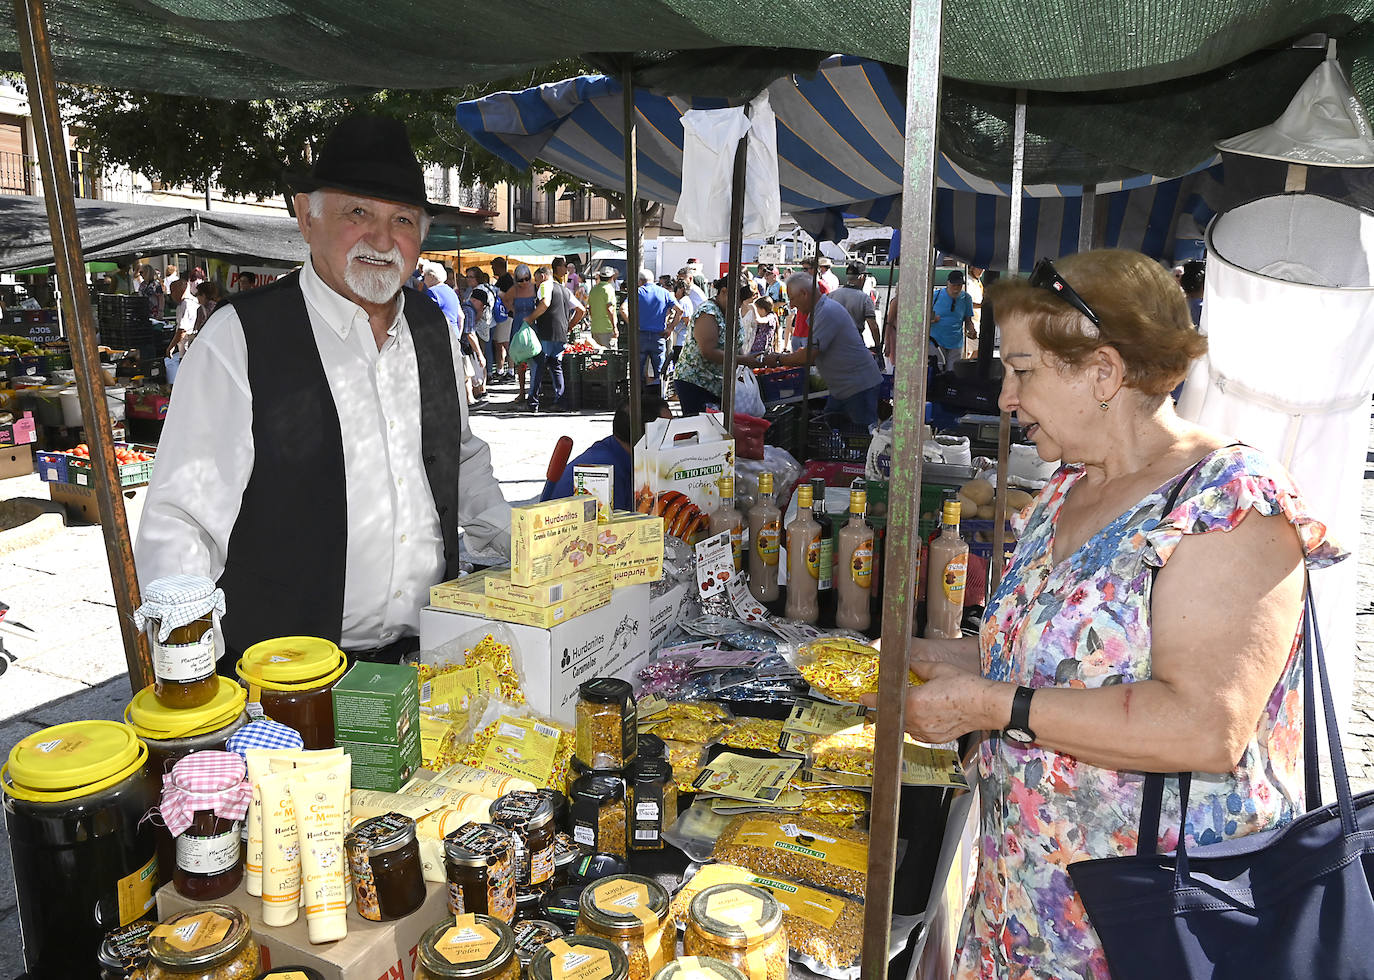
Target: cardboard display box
[(376, 703), (80, 501), (19, 432), (370, 951), (381, 766), (16, 461), (615, 641)]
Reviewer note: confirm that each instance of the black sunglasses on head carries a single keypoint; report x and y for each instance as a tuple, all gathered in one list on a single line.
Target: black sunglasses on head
[(1044, 276)]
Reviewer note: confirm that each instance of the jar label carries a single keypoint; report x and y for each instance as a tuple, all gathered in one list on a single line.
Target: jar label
[(194, 932), (523, 747), (364, 884), (466, 941), (648, 810), (501, 890), (585, 835), (737, 907), (135, 892), (185, 661), (861, 564), (953, 580), (813, 557), (582, 963), (541, 865), (769, 535), (737, 547), (621, 897), (208, 855)]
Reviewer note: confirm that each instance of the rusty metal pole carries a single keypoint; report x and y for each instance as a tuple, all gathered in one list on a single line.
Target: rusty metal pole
[(31, 25), (1018, 178), (908, 419), (632, 252)]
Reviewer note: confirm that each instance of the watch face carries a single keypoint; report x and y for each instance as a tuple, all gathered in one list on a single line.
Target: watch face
[(1019, 735)]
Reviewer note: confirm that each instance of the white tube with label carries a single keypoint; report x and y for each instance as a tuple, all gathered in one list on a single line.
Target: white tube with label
[(281, 861), (319, 794), (258, 762)]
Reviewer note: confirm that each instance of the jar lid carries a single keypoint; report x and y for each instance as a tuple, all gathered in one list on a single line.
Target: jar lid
[(650, 771), (263, 733), (699, 968), (593, 867), (580, 768), (177, 600), (126, 948), (527, 904), (606, 690), (381, 835), (523, 811), (650, 746), (290, 662), (559, 803), (472, 945), (530, 937), (597, 789), (624, 904), (574, 950), (479, 845), (150, 719), (565, 850), (561, 906), (737, 915), (71, 760), (206, 935)]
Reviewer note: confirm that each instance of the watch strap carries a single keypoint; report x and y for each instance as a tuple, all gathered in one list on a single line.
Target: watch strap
[(1020, 712)]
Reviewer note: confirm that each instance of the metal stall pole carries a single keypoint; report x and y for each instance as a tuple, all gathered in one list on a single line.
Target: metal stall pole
[(891, 273), (908, 417), (31, 25), (1087, 216), (733, 265), (632, 257), (810, 353), (1018, 176)]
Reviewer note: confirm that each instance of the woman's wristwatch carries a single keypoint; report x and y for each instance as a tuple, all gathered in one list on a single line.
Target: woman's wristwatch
[(1019, 729)]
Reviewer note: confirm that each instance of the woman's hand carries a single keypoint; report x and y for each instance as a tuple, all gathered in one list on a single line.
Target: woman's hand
[(953, 702)]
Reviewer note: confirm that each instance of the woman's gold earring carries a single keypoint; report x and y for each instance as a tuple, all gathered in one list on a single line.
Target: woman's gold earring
[(1103, 405)]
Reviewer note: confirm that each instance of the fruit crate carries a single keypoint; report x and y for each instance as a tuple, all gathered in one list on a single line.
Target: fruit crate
[(51, 467), (601, 396), (125, 321), (77, 470), (845, 443), (605, 367), (778, 384)]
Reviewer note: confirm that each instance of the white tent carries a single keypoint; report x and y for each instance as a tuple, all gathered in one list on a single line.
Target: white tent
[(1289, 319)]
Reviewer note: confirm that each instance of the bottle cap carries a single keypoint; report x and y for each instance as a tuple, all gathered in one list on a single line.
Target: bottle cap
[(804, 496), (726, 485), (765, 483), (858, 501), (952, 509)]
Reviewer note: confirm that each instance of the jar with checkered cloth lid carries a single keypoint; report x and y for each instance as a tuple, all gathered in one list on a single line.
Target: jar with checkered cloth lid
[(180, 614), (204, 800)]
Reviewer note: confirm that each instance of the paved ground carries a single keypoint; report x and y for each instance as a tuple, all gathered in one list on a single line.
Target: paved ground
[(57, 582)]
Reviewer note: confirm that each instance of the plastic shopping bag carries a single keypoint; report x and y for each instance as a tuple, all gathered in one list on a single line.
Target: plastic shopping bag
[(524, 344)]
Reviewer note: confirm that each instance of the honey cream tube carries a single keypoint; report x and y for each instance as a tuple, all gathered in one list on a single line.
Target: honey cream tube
[(281, 864), (299, 759), (258, 761), (318, 794)]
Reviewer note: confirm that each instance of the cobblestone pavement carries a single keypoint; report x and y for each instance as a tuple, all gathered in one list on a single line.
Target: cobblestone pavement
[(73, 665)]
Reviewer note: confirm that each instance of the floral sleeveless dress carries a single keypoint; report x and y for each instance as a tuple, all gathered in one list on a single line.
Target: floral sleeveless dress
[(1085, 623)]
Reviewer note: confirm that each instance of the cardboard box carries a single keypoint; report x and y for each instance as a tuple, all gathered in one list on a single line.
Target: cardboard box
[(385, 767), (141, 404), (465, 595), (688, 454), (632, 545), (596, 480), (552, 540), (19, 432), (80, 502), (498, 585), (370, 951), (376, 703), (16, 461), (616, 641), (578, 603)]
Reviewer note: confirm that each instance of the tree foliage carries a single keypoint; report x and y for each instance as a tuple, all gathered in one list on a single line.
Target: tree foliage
[(244, 146)]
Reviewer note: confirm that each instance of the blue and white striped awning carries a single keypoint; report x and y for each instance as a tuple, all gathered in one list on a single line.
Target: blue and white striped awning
[(840, 150)]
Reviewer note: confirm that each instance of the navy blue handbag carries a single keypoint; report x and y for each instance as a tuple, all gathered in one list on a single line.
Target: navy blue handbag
[(1288, 903)]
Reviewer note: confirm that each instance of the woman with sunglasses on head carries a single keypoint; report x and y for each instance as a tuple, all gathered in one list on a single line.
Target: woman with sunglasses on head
[(1148, 622), (521, 301)]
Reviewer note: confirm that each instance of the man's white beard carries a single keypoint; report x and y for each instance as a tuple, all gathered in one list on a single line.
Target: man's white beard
[(378, 284)]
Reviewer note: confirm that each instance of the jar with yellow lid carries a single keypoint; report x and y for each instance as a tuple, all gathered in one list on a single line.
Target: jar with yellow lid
[(171, 734), (629, 910), (740, 925), (698, 968), (84, 859), (208, 942), (594, 957), (291, 680), (468, 947)]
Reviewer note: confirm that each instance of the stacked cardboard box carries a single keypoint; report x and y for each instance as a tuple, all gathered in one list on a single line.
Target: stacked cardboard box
[(377, 721)]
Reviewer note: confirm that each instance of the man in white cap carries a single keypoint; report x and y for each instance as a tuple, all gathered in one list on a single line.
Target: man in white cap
[(311, 458)]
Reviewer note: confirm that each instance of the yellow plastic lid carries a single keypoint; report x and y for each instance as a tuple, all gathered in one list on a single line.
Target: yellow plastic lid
[(74, 759), (804, 496), (290, 661), (150, 719)]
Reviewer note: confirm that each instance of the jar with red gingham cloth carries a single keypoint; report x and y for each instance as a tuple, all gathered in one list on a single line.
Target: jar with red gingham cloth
[(204, 800)]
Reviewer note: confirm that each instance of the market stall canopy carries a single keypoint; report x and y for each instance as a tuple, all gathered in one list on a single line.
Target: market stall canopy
[(1117, 89), (110, 230), (443, 238)]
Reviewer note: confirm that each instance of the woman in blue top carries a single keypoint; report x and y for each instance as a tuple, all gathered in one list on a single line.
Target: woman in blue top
[(521, 301)]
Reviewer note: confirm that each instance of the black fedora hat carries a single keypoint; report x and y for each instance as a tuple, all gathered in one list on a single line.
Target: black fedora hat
[(369, 155)]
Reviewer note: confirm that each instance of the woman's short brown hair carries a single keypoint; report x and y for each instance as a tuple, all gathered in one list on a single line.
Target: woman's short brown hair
[(1142, 314)]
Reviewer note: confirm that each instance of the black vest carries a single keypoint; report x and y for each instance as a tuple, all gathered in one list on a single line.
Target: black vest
[(284, 571), (552, 326)]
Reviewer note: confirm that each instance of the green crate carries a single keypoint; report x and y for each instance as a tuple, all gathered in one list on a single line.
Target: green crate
[(80, 472)]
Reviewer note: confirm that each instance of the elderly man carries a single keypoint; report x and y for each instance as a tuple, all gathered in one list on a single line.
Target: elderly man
[(657, 313), (317, 460), (846, 364)]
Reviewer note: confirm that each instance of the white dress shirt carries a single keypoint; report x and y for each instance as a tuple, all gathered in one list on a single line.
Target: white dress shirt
[(395, 547)]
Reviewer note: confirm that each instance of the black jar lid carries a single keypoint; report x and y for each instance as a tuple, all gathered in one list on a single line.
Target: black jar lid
[(650, 746), (591, 867), (565, 851), (479, 845), (560, 907), (606, 690), (531, 935), (650, 771), (559, 803), (522, 811), (597, 789), (126, 948), (382, 835), (580, 768), (527, 904)]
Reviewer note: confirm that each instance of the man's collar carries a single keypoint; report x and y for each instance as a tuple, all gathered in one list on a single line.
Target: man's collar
[(339, 311)]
